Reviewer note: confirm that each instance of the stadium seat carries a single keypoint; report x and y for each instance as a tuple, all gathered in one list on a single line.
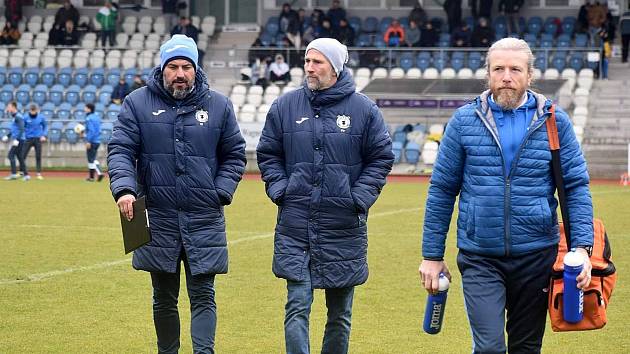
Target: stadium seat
[(379, 73), (55, 132), (431, 73), (465, 73), (81, 76), (64, 111), (48, 76), (370, 25), (113, 76), (112, 112), (355, 23), (3, 75), (105, 94), (23, 94), (534, 25), (396, 73), (15, 76), (581, 40), (429, 152), (551, 74), (558, 63), (39, 94), (412, 153), (78, 114), (55, 95), (97, 77), (6, 95), (64, 77), (447, 73), (397, 148), (70, 134), (88, 95), (31, 77), (48, 110), (106, 132), (413, 73), (73, 94)]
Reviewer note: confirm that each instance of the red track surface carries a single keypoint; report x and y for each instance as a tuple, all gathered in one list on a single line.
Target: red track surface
[(255, 176)]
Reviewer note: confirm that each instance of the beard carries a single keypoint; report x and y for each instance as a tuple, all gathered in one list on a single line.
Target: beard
[(314, 83), (179, 94), (508, 98)]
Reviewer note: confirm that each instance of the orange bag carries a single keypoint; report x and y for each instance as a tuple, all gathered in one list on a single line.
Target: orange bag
[(603, 276)]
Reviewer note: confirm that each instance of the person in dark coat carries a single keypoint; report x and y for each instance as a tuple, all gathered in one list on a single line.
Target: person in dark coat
[(289, 23), (429, 36), (69, 34), (65, 13), (483, 34), (344, 33), (120, 91), (323, 154), (481, 8), (177, 143), (511, 9), (336, 13), (418, 15), (453, 9), (186, 28), (461, 36), (13, 10)]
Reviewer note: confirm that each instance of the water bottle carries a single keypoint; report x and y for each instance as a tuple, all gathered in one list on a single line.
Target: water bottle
[(434, 312), (573, 298)]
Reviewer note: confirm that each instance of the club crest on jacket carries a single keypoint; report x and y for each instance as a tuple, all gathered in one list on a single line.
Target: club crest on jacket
[(343, 122), (201, 116)]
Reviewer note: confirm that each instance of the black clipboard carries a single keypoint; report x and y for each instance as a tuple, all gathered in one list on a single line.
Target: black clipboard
[(137, 232)]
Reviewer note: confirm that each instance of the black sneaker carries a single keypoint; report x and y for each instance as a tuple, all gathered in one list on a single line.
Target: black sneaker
[(100, 177), (89, 179)]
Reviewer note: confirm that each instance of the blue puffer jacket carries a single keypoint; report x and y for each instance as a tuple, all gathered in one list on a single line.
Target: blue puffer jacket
[(503, 215), (190, 157), (324, 156), (35, 126), (93, 128), (17, 127)]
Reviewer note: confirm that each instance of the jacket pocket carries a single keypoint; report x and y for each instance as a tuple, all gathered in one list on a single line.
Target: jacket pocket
[(470, 220)]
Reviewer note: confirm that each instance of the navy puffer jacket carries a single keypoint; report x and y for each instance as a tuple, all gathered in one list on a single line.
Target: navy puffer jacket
[(187, 157), (324, 156), (504, 214)]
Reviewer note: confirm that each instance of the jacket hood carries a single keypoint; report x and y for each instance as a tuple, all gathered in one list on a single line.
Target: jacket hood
[(342, 88), (201, 89)]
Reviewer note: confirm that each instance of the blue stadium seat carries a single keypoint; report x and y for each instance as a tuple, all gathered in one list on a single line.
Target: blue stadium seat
[(272, 28), (412, 152), (99, 108), (581, 40), (105, 94), (559, 63), (423, 63), (355, 23), (550, 26), (576, 61), (106, 132), (64, 111), (5, 128), (364, 40), (384, 23), (48, 76), (97, 77), (457, 63), (64, 77), (39, 94), (458, 55), (31, 77), (71, 136), (397, 148), (112, 112), (546, 43), (88, 95), (55, 132), (3, 75), (6, 95), (73, 94), (404, 21), (15, 76), (55, 95), (81, 77), (78, 114), (145, 73), (370, 25), (129, 76), (267, 40), (440, 63), (48, 110), (474, 63), (23, 94), (541, 63), (400, 135), (379, 42), (568, 25), (113, 75), (406, 60), (522, 24), (530, 38), (534, 25)]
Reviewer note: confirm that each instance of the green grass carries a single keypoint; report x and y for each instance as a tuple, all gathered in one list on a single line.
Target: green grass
[(80, 294)]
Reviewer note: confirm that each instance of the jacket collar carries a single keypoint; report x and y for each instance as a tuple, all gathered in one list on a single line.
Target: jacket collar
[(201, 89), (342, 88)]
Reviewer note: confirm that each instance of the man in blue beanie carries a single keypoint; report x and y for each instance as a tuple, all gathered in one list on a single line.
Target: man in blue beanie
[(177, 143), (324, 154)]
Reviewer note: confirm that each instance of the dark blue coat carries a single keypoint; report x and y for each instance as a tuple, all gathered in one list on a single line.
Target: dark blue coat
[(504, 214), (324, 156), (187, 157)]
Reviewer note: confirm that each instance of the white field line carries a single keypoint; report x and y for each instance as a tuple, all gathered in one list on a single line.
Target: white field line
[(54, 273)]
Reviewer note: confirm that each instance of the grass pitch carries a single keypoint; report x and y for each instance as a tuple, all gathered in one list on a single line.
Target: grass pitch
[(67, 287)]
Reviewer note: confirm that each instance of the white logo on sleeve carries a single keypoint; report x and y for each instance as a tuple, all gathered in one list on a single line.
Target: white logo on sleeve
[(158, 112), (302, 120)]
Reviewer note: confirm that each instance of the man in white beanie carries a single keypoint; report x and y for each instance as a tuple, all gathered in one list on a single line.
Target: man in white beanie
[(177, 143), (324, 154)]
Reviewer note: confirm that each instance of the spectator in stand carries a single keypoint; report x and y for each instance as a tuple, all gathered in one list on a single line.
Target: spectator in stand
[(596, 17), (169, 12), (344, 34), (65, 13), (481, 8), (394, 35), (306, 28), (289, 23), (35, 131), (317, 17), (418, 15), (461, 36), (336, 13), (453, 9), (107, 16), (256, 51), (582, 18), (259, 73), (510, 9), (429, 36), (13, 11), (279, 70), (120, 91), (483, 34), (624, 29), (69, 36), (186, 28), (10, 34), (412, 35), (92, 142), (324, 30), (137, 83)]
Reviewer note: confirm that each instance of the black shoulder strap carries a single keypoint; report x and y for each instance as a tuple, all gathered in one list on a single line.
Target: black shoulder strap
[(554, 146)]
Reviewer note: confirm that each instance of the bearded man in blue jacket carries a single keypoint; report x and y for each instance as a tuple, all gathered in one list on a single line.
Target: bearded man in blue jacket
[(177, 143), (495, 156), (324, 154)]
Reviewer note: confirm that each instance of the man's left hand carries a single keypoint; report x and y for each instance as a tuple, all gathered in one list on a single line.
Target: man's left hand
[(42, 139), (584, 278)]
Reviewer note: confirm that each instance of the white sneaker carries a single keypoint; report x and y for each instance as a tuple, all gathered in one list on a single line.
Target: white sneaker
[(26, 178), (11, 177)]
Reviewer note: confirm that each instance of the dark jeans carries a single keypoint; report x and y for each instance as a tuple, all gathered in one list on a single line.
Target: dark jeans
[(517, 285), (16, 153), (32, 142), (91, 152), (202, 309), (108, 34), (625, 41)]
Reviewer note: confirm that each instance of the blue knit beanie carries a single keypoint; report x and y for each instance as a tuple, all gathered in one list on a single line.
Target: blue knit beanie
[(179, 47)]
